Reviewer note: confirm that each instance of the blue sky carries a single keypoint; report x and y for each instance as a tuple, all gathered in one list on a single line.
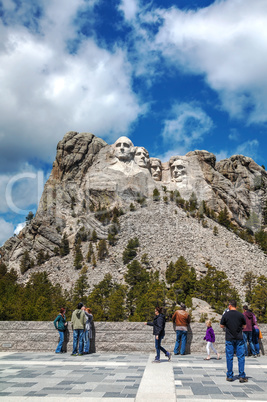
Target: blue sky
[(174, 76)]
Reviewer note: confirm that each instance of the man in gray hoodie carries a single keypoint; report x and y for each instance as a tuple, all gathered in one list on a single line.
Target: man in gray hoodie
[(78, 320)]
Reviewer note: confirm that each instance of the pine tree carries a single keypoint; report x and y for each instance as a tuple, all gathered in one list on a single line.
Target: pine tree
[(156, 194), (64, 246), (102, 250), (25, 263), (78, 258)]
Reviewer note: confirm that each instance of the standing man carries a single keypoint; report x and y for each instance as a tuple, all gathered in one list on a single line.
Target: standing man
[(78, 320), (234, 322), (247, 331), (181, 319)]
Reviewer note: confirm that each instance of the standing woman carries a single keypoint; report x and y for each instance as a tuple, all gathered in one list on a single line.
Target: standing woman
[(158, 325), (60, 324), (88, 333)]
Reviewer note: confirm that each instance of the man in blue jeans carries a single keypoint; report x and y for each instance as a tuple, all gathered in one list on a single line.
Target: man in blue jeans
[(78, 321), (181, 319), (247, 331), (234, 322)]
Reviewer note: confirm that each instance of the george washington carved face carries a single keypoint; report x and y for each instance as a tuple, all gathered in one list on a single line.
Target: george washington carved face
[(124, 149), (141, 157)]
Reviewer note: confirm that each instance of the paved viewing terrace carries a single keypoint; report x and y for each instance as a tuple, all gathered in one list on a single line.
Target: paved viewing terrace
[(121, 376)]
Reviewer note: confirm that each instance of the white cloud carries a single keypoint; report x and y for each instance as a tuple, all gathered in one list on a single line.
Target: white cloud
[(186, 127), (7, 230), (46, 91), (19, 227), (129, 9), (227, 42), (247, 148)]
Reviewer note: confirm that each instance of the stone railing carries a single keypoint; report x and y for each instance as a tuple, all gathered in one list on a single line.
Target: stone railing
[(41, 336)]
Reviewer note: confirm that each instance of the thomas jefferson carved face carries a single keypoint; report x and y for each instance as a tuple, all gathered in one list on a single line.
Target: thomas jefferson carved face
[(141, 157), (124, 149), (178, 170), (156, 168)]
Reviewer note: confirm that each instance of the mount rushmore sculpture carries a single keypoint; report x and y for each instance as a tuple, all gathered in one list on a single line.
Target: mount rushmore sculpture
[(122, 170)]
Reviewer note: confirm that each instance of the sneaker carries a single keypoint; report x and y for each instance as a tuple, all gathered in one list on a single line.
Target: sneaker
[(229, 379), (258, 355), (80, 354), (254, 355), (243, 379), (169, 355), (74, 354), (176, 354), (156, 361)]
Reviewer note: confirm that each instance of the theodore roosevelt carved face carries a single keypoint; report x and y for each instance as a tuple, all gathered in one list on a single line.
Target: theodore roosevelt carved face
[(124, 149), (156, 168), (141, 157)]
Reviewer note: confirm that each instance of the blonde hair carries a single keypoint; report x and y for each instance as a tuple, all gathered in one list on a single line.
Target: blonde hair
[(208, 323)]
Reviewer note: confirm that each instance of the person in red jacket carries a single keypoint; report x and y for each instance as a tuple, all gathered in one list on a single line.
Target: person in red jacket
[(181, 319), (247, 331)]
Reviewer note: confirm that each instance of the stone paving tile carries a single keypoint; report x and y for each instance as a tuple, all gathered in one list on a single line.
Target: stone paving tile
[(44, 376)]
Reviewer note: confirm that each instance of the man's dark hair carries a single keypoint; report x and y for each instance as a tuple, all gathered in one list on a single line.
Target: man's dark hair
[(80, 305), (183, 306), (159, 309), (245, 307), (232, 303)]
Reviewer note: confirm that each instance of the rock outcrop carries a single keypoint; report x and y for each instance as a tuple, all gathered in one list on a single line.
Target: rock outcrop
[(90, 176)]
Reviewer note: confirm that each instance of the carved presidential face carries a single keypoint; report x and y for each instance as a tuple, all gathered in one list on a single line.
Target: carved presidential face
[(124, 149), (178, 170), (141, 157), (156, 169)]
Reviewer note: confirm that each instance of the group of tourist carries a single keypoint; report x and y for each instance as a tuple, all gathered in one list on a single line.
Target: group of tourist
[(82, 325), (240, 330)]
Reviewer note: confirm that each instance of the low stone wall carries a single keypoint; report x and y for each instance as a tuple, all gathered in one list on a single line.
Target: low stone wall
[(41, 336)]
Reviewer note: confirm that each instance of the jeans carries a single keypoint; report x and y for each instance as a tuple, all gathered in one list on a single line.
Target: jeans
[(159, 348), (180, 336), (60, 343), (231, 347), (255, 340), (77, 333), (86, 342), (247, 337)]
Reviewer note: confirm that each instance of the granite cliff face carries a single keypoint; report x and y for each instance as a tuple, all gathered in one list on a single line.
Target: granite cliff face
[(89, 175)]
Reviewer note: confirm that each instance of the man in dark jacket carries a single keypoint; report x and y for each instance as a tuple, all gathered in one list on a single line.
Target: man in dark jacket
[(247, 331), (158, 325)]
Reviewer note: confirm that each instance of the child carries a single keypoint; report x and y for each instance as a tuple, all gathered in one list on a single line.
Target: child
[(210, 338)]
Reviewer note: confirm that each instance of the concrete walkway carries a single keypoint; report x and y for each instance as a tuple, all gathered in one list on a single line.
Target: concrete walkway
[(132, 377)]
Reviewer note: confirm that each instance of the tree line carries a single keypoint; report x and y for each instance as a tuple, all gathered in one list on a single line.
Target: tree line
[(135, 300)]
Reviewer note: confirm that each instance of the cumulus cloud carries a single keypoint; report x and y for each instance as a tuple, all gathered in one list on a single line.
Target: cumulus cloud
[(247, 148), (186, 126), (227, 43), (129, 9), (19, 227), (46, 90), (7, 230)]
